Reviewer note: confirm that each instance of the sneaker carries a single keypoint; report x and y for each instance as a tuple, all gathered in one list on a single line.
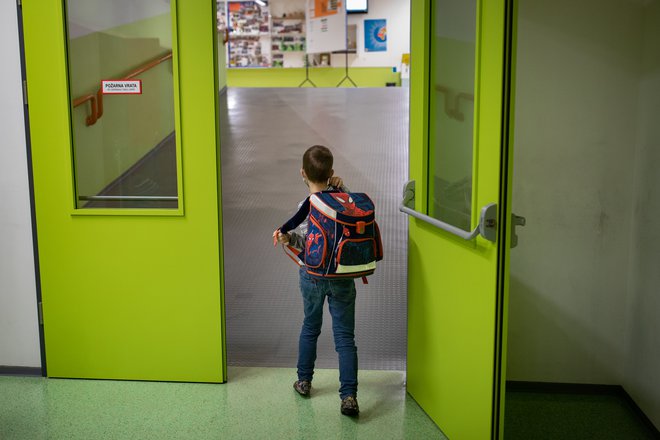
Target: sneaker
[(302, 387), (349, 406)]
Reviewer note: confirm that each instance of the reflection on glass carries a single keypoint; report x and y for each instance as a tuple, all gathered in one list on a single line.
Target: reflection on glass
[(452, 111), (124, 144)]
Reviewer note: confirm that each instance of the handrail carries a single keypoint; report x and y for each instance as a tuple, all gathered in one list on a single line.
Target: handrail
[(128, 198), (457, 104), (445, 90), (97, 101), (456, 111), (487, 218), (91, 119), (150, 65)]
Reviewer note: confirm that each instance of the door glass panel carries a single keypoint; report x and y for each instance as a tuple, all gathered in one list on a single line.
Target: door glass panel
[(124, 143), (451, 110)]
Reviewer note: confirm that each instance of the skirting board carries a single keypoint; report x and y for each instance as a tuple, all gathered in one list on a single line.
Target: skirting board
[(6, 370)]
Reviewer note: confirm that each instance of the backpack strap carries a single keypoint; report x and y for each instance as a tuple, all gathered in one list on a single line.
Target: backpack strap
[(292, 253)]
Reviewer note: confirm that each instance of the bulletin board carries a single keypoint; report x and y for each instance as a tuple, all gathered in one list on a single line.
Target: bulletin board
[(326, 26)]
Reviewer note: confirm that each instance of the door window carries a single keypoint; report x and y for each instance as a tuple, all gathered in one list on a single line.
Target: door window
[(121, 85), (451, 111)]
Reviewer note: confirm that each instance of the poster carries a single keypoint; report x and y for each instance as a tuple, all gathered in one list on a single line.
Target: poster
[(326, 25), (324, 8), (375, 35)]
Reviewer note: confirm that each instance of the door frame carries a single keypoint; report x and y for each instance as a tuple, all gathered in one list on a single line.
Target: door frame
[(504, 233), (33, 215)]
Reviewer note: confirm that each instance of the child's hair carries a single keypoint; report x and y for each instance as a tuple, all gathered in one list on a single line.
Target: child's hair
[(317, 164)]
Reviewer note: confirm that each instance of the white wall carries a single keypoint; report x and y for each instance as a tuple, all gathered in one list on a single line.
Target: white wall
[(279, 8), (584, 302), (397, 14), (576, 109), (643, 312), (19, 334)]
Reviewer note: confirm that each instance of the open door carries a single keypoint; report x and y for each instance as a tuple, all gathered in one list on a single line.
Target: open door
[(458, 203), (122, 100)]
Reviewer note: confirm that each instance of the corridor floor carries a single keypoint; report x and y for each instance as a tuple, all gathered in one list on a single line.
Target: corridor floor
[(256, 403), (264, 133)]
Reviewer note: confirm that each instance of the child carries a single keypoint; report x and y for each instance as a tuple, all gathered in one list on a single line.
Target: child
[(317, 174)]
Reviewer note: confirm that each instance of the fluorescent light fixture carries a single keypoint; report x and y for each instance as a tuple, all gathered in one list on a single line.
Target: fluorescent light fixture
[(260, 2), (353, 6)]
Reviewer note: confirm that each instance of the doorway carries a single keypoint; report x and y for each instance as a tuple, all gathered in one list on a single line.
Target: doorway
[(266, 124), (264, 133)]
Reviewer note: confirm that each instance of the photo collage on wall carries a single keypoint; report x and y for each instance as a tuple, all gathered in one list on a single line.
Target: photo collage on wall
[(248, 22), (256, 38), (259, 39)]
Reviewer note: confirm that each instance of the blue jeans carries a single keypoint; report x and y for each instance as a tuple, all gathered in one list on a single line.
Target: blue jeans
[(341, 301)]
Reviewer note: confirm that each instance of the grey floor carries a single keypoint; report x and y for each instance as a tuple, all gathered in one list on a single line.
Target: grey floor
[(264, 133)]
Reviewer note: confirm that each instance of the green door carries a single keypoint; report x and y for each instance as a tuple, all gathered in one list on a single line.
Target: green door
[(122, 100), (459, 162)]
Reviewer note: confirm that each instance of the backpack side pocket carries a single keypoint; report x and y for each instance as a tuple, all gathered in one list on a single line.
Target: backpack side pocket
[(316, 245)]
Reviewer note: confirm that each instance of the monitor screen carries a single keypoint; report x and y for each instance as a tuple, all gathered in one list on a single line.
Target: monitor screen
[(357, 6)]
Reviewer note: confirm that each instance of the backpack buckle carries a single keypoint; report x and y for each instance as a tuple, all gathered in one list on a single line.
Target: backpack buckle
[(360, 227)]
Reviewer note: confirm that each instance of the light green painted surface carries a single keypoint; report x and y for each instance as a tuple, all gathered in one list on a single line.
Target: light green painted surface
[(127, 297), (452, 284), (322, 77), (130, 126)]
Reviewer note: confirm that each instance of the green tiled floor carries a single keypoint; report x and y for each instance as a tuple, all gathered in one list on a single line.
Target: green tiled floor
[(257, 403)]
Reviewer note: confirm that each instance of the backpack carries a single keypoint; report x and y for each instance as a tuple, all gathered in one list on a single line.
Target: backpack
[(343, 239)]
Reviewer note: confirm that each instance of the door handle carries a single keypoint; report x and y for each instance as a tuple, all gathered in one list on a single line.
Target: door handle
[(516, 220), (487, 226)]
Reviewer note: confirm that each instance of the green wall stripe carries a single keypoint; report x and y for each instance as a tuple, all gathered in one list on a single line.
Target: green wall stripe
[(322, 77)]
